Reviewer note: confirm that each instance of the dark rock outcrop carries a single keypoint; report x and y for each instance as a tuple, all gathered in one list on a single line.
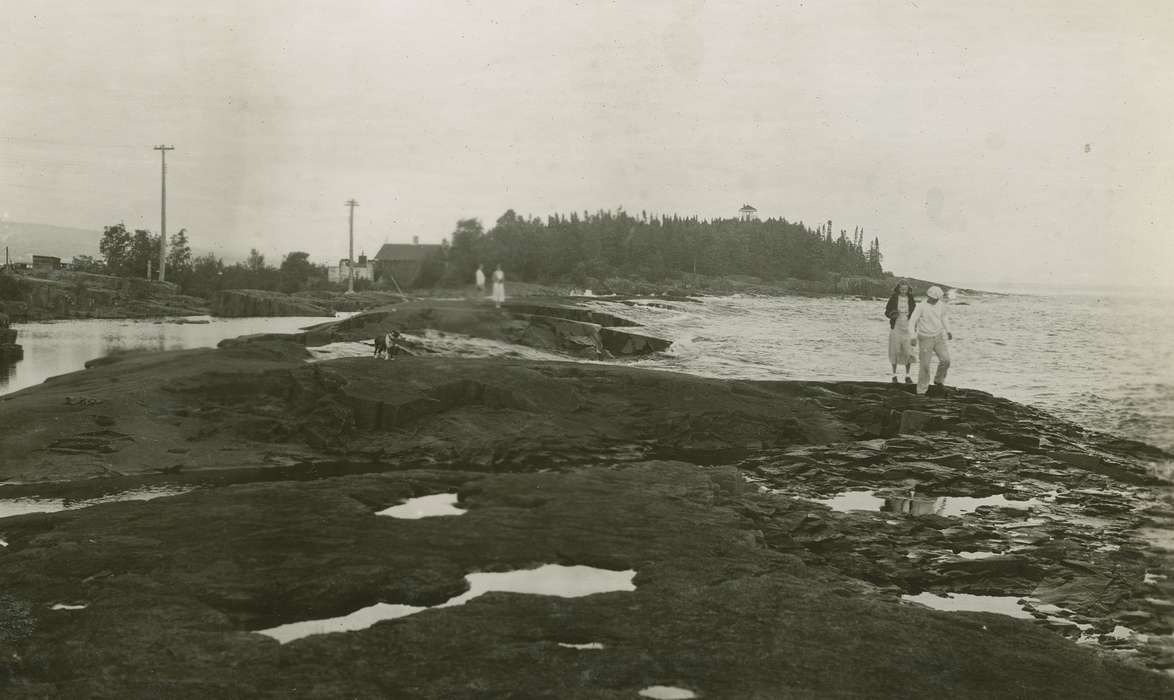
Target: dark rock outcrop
[(66, 294), (257, 302), (358, 301), (9, 350), (183, 583), (553, 325), (713, 491)]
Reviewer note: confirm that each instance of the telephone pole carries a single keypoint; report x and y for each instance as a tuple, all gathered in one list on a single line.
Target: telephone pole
[(350, 287), (163, 213)]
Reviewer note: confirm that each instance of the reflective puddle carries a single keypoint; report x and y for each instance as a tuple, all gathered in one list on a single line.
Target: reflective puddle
[(976, 555), (425, 507), (952, 506), (966, 602), (433, 342), (589, 645), (667, 692), (854, 500), (1023, 608), (24, 506), (68, 606), (551, 579)]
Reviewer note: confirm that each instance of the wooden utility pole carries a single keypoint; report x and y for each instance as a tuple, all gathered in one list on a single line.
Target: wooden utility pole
[(163, 214), (350, 287)]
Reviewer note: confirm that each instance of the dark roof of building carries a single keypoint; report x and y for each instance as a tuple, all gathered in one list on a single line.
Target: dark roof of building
[(747, 207), (391, 252)]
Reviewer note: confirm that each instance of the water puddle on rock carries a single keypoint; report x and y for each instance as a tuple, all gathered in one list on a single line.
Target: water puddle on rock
[(667, 692), (551, 579), (976, 555), (588, 645), (1024, 608), (966, 602), (24, 506), (68, 606), (437, 504), (952, 506), (433, 342), (854, 500)]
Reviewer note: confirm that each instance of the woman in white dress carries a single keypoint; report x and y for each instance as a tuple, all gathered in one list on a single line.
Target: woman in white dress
[(898, 311), (498, 286)]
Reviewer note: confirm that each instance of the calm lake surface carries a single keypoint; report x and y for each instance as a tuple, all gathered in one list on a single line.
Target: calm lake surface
[(58, 347)]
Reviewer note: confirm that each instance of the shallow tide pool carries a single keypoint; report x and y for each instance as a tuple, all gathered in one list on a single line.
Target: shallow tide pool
[(551, 579), (437, 504), (952, 506)]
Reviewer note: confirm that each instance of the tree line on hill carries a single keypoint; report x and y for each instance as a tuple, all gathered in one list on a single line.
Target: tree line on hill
[(573, 248), (605, 244)]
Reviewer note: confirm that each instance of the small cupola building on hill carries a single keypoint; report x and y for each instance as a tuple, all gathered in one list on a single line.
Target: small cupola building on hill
[(748, 213)]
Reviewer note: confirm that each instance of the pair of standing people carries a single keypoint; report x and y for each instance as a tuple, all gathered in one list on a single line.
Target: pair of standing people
[(498, 284), (922, 326)]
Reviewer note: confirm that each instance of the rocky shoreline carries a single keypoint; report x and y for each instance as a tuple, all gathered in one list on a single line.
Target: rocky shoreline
[(63, 294), (786, 538)]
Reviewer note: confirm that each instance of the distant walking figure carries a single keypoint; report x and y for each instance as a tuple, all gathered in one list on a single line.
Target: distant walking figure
[(929, 329), (898, 310), (498, 286), (480, 277)]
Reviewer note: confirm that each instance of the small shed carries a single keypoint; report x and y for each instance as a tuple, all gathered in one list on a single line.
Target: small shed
[(46, 262), (405, 261)]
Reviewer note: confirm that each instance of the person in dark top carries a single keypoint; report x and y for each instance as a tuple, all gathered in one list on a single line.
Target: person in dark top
[(898, 311)]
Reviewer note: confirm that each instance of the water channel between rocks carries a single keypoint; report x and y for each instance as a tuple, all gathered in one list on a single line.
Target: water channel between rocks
[(953, 506), (550, 579), (24, 506), (1021, 607)]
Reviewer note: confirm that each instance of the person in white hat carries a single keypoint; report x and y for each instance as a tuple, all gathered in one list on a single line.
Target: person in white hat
[(929, 330)]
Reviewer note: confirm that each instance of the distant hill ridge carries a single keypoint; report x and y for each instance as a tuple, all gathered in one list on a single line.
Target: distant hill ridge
[(24, 239)]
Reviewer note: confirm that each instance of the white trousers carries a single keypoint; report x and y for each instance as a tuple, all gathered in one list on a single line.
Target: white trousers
[(927, 347)]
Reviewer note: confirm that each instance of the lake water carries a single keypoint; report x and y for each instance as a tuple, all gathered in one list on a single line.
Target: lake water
[(1105, 361), (58, 347)]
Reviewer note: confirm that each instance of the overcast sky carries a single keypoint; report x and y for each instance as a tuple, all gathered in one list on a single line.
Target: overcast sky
[(982, 142)]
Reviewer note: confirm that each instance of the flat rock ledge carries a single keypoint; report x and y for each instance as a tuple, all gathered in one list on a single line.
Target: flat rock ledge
[(559, 326), (257, 302), (748, 584)]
